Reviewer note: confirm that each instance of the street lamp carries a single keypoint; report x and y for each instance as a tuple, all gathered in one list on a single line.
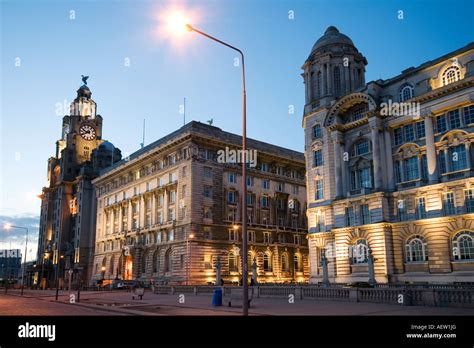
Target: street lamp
[(103, 273), (179, 24), (8, 227)]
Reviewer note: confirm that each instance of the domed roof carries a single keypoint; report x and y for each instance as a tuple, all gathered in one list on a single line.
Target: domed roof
[(107, 146), (84, 91), (332, 36)]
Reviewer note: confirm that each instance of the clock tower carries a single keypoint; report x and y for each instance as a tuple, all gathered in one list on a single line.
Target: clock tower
[(67, 222)]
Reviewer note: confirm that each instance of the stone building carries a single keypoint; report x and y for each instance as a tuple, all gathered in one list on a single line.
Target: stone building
[(67, 219), (170, 210), (389, 166)]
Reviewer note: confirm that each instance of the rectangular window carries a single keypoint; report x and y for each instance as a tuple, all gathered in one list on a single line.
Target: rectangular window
[(233, 235), (458, 157), (296, 239), (365, 179), (349, 216), (469, 200), (207, 172), (468, 114), (232, 214), (265, 202), (318, 158), (250, 199), (251, 236), (231, 197), (411, 169), (280, 187), (266, 237), (184, 171), (208, 191), (420, 129), (420, 208), (172, 197), (171, 214), (232, 177), (424, 167), (317, 131), (398, 136), (409, 133), (454, 119), (441, 125), (320, 223), (183, 191), (319, 189), (449, 204), (264, 167), (266, 184), (249, 181), (364, 214), (442, 162), (402, 211), (279, 170)]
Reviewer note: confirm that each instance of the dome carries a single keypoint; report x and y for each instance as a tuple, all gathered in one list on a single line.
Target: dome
[(107, 146), (84, 91), (331, 36)]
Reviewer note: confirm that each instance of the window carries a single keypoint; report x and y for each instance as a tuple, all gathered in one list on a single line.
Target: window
[(231, 197), (398, 172), (279, 170), (266, 237), (266, 184), (267, 266), (469, 200), (172, 197), (318, 158), (442, 162), (409, 132), (424, 167), (232, 214), (207, 213), (362, 147), (250, 199), (463, 245), (449, 203), (402, 211), (360, 252), (364, 214), (184, 171), (295, 189), (297, 263), (411, 168), (233, 235), (265, 202), (406, 92), (441, 125), (319, 189), (280, 187), (317, 131), (420, 129), (171, 214), (416, 250), (458, 157), (420, 208), (251, 236), (451, 75), (468, 114), (349, 216), (232, 178), (454, 119), (296, 239), (264, 167), (207, 172), (232, 262), (172, 177), (320, 223), (361, 178), (249, 181), (207, 191), (284, 262), (168, 261), (337, 81), (398, 136), (183, 191)]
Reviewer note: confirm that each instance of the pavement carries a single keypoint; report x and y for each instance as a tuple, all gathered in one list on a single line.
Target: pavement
[(38, 302)]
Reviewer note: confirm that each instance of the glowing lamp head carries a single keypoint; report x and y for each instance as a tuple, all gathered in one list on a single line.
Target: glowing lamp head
[(8, 226), (176, 23), (191, 236), (103, 268), (236, 227)]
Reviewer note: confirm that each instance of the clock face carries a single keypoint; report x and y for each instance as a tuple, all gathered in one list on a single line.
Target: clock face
[(87, 132)]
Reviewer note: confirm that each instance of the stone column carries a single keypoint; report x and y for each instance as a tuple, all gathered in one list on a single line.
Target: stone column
[(130, 215), (324, 82), (389, 161), (120, 218), (430, 150), (329, 79), (337, 136), (352, 72), (153, 209), (112, 219), (468, 154), (374, 128), (446, 160), (346, 79)]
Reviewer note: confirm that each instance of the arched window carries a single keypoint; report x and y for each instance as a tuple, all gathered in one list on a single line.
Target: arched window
[(297, 263), (111, 265), (416, 250), (360, 252), (156, 262), (337, 81), (406, 92), (232, 262), (463, 245), (267, 263), (452, 74), (284, 262), (361, 147), (168, 261)]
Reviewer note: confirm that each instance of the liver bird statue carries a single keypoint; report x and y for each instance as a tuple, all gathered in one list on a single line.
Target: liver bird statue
[(84, 79)]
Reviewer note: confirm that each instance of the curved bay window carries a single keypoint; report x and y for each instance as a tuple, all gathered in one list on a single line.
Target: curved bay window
[(416, 249), (463, 246), (359, 252), (356, 112)]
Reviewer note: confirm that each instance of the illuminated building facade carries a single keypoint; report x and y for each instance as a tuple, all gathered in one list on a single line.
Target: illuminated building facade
[(67, 219), (170, 210), (389, 166)]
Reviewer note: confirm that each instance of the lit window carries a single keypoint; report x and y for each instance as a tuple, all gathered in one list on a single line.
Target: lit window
[(364, 214), (350, 216), (360, 252), (451, 75), (420, 208), (415, 249), (469, 200), (449, 203), (463, 245)]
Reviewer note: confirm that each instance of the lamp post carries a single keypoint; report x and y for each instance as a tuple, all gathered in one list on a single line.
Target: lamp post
[(103, 273), (244, 168), (188, 257), (7, 227)]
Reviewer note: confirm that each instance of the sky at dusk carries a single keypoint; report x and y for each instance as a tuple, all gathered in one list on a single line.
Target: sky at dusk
[(139, 70)]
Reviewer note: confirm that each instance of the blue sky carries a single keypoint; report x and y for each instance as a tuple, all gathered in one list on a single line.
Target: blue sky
[(54, 50)]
